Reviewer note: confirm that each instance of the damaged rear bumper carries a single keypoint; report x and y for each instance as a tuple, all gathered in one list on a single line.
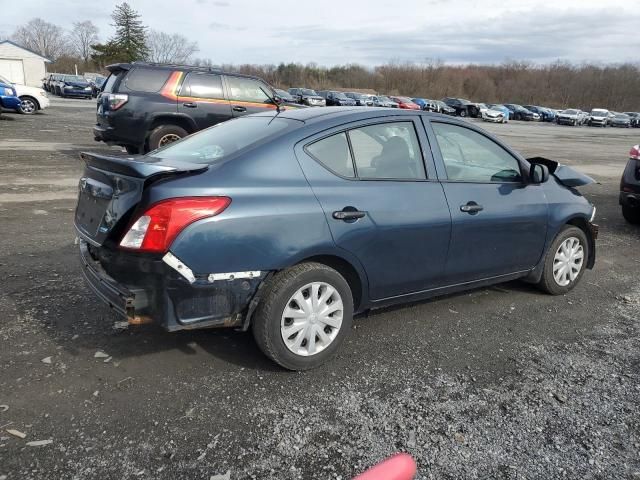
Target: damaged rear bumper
[(142, 289)]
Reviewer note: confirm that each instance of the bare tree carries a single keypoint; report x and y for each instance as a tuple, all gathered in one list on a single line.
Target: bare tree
[(42, 37), (81, 38), (166, 48)]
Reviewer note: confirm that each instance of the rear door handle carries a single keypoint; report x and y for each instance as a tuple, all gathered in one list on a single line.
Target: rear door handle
[(238, 108), (347, 215), (190, 105), (471, 208)]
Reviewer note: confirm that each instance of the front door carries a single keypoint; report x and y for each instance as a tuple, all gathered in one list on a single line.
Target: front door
[(381, 205), (499, 221), (202, 98)]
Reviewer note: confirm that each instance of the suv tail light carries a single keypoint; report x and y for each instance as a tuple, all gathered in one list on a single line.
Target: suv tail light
[(635, 152), (116, 100), (157, 228)]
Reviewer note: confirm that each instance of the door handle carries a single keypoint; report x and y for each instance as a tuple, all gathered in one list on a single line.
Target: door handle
[(238, 108), (348, 215), (190, 105), (471, 208)]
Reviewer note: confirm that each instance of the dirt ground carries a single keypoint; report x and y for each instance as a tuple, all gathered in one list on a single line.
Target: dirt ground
[(502, 382)]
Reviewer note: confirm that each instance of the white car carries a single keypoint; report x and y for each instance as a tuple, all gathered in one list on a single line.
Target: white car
[(32, 98), (495, 116)]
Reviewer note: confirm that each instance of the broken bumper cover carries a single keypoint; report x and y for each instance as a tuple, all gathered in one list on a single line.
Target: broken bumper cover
[(142, 289)]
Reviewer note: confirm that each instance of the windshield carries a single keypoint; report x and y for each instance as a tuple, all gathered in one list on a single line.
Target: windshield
[(74, 78), (222, 140), (340, 95), (570, 112), (282, 93), (404, 99), (622, 116), (307, 91), (599, 113), (384, 99)]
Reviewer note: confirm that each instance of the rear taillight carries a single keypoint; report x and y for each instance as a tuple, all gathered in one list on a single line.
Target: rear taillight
[(157, 228), (635, 152), (116, 100)]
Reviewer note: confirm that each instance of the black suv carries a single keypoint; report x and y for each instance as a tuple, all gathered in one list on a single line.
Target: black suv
[(630, 187), (463, 107), (144, 106), (336, 99)]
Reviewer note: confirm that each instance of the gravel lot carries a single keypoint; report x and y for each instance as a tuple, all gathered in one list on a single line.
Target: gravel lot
[(502, 382)]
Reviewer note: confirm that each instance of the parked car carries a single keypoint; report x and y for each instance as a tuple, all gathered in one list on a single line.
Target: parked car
[(444, 108), (308, 97), (621, 120), (495, 114), (146, 106), (599, 117), (73, 86), (383, 101), (96, 85), (284, 95), (289, 223), (546, 114), (8, 98), (518, 112), (405, 103), (635, 118), (425, 104), (49, 81), (571, 116), (501, 108), (630, 187), (336, 99), (463, 107), (32, 99), (361, 99)]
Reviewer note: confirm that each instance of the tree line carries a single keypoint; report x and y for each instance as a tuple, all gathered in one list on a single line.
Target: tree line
[(558, 85)]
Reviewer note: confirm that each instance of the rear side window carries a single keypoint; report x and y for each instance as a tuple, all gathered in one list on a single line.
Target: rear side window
[(387, 151), (333, 153), (202, 85), (146, 79)]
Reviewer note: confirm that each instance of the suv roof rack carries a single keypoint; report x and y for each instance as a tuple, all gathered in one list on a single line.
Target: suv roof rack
[(213, 69)]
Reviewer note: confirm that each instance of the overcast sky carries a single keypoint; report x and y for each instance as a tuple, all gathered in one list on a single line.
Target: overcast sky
[(371, 32)]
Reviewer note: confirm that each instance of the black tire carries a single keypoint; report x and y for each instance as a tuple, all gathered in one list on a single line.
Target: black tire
[(274, 298), (131, 150), (162, 133), (29, 105), (463, 113), (547, 282), (631, 214)]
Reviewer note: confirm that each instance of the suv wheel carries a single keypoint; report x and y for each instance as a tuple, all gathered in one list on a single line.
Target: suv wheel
[(565, 261), (28, 105), (304, 315), (164, 135), (631, 214)]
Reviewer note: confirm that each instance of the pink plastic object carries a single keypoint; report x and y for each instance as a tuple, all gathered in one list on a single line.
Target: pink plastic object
[(399, 467)]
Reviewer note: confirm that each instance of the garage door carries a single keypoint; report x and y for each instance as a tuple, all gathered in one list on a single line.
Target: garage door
[(12, 69)]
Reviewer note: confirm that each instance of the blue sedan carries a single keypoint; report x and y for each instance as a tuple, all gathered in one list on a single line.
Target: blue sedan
[(289, 223)]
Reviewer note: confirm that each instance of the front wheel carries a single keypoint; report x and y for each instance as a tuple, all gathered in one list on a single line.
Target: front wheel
[(164, 135), (631, 214), (305, 314), (28, 105), (565, 261), (463, 113)]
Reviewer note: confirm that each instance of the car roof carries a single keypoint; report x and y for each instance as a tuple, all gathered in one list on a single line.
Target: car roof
[(167, 66), (310, 115)]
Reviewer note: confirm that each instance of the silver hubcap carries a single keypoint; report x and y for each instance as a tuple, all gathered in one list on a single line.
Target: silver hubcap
[(568, 261), (27, 106), (168, 138), (311, 319)]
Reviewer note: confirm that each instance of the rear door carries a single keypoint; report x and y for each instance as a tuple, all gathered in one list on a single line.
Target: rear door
[(380, 202), (248, 95), (202, 97), (499, 221)]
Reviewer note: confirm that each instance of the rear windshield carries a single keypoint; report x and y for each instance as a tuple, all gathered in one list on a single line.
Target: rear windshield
[(215, 143)]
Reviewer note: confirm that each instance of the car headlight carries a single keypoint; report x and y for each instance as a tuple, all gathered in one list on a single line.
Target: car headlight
[(9, 92), (43, 93), (68, 86)]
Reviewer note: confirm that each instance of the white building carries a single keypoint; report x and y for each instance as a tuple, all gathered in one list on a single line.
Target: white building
[(21, 65)]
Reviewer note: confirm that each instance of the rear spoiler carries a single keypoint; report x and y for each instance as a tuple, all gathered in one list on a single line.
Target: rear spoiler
[(142, 167), (565, 175)]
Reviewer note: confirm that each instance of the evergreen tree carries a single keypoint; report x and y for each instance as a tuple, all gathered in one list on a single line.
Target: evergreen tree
[(131, 35)]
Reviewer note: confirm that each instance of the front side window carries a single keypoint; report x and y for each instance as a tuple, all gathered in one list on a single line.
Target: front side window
[(247, 90), (333, 153), (202, 85), (387, 151), (471, 157)]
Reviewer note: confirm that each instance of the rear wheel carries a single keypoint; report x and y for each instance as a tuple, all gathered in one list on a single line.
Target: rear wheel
[(164, 135), (565, 261), (631, 214), (463, 113), (304, 315)]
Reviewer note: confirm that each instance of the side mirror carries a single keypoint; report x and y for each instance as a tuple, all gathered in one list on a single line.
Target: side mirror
[(538, 173), (278, 100)]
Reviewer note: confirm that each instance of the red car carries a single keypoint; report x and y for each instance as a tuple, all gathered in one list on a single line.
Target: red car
[(404, 102)]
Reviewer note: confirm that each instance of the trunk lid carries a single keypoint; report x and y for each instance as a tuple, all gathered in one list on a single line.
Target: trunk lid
[(110, 187)]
